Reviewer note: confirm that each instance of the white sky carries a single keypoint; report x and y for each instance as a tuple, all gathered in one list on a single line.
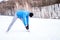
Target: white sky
[(1, 0)]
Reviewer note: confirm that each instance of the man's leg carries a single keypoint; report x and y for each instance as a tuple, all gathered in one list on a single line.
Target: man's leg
[(14, 19)]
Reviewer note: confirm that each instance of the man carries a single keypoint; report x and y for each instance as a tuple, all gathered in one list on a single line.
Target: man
[(24, 16)]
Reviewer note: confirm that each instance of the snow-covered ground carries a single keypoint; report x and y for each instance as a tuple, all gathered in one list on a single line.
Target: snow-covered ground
[(40, 29)]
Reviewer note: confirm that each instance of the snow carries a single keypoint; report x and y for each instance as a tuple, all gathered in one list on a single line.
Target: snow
[(40, 29)]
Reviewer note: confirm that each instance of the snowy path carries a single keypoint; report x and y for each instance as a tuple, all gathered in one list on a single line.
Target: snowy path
[(40, 29)]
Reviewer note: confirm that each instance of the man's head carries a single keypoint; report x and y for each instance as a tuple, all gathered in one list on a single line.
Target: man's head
[(31, 14)]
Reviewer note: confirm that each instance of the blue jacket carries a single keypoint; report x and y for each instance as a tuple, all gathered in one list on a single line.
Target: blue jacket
[(24, 16)]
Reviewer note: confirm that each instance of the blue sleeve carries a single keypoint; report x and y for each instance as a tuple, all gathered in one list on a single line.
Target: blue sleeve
[(26, 21)]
